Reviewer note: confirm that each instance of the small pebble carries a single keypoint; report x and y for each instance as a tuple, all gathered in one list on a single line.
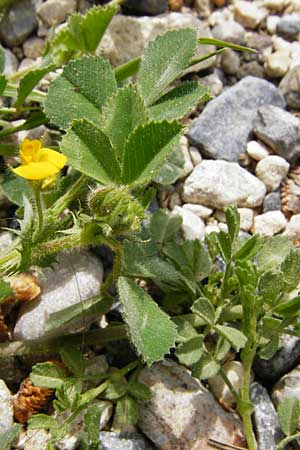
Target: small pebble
[(192, 226), (249, 14), (195, 155), (277, 64), (293, 228), (272, 22), (201, 211), (269, 224), (272, 202), (246, 218), (257, 150), (272, 170)]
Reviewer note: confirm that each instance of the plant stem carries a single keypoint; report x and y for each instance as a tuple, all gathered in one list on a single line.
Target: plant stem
[(64, 201), (40, 212), (229, 385), (35, 95), (287, 440)]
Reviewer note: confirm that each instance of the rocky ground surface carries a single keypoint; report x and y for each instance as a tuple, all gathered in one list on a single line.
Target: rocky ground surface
[(242, 148)]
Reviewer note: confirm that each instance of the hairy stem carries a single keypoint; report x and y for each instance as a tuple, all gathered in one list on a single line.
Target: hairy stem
[(64, 201), (287, 440), (40, 212)]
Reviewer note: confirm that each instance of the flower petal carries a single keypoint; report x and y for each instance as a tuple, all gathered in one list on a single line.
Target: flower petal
[(36, 171), (29, 151), (56, 159)]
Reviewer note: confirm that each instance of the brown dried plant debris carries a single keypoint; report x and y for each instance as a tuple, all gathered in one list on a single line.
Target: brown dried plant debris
[(176, 5), (30, 400), (290, 193), (4, 332), (25, 288)]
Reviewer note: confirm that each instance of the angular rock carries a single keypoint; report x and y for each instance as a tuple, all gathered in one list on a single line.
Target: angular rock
[(181, 413), (6, 408), (293, 228), (77, 276), (19, 23), (11, 63), (277, 64), (192, 226), (246, 218), (53, 12), (284, 360), (230, 61), (230, 31), (224, 127), (266, 422), (217, 184), (249, 14), (146, 7), (289, 27), (127, 37), (272, 202), (272, 170), (290, 87), (124, 441), (280, 130), (269, 224)]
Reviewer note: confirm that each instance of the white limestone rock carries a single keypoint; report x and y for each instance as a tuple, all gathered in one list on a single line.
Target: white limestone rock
[(6, 408), (218, 184), (192, 226), (269, 223), (257, 150), (272, 170), (201, 211), (249, 14), (246, 218), (293, 228)]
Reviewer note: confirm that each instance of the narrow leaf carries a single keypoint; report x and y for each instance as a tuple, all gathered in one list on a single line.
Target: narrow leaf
[(180, 101), (164, 60), (47, 375), (38, 421), (146, 150), (30, 80), (127, 413), (224, 245), (123, 112), (235, 337), (289, 308), (151, 330), (291, 270), (288, 413), (89, 150), (3, 82), (233, 222), (80, 91), (218, 43), (248, 249)]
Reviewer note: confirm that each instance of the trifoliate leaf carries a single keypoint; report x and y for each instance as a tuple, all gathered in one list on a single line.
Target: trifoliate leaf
[(235, 337), (151, 330), (172, 168), (204, 308), (270, 285), (189, 352), (164, 60), (205, 368)]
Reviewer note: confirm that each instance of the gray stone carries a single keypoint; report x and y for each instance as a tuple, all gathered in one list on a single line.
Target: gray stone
[(272, 170), (6, 408), (127, 36), (265, 418), (182, 413), (257, 41), (230, 61), (230, 31), (33, 47), (192, 226), (53, 12), (77, 276), (289, 27), (146, 7), (224, 127), (11, 63), (290, 87), (288, 386), (19, 23), (280, 130), (124, 441), (220, 183), (284, 360), (272, 202), (6, 238)]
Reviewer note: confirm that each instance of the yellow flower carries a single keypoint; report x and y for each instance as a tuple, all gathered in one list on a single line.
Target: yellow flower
[(38, 162)]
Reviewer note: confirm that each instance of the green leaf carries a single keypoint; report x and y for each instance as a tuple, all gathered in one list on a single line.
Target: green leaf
[(185, 330), (7, 438), (224, 243), (236, 338), (139, 390), (38, 421), (288, 413), (206, 368), (92, 308), (123, 112), (127, 413), (270, 285), (289, 308), (73, 359), (29, 81), (233, 222), (14, 188), (291, 270), (190, 258), (222, 348), (273, 252), (151, 330), (89, 150), (2, 59), (270, 348), (164, 226), (47, 375), (204, 308), (3, 82), (87, 31), (146, 150), (247, 274), (91, 422), (218, 43), (5, 290), (172, 168), (8, 149), (179, 101), (116, 390), (80, 91), (164, 60), (247, 249), (189, 352)]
